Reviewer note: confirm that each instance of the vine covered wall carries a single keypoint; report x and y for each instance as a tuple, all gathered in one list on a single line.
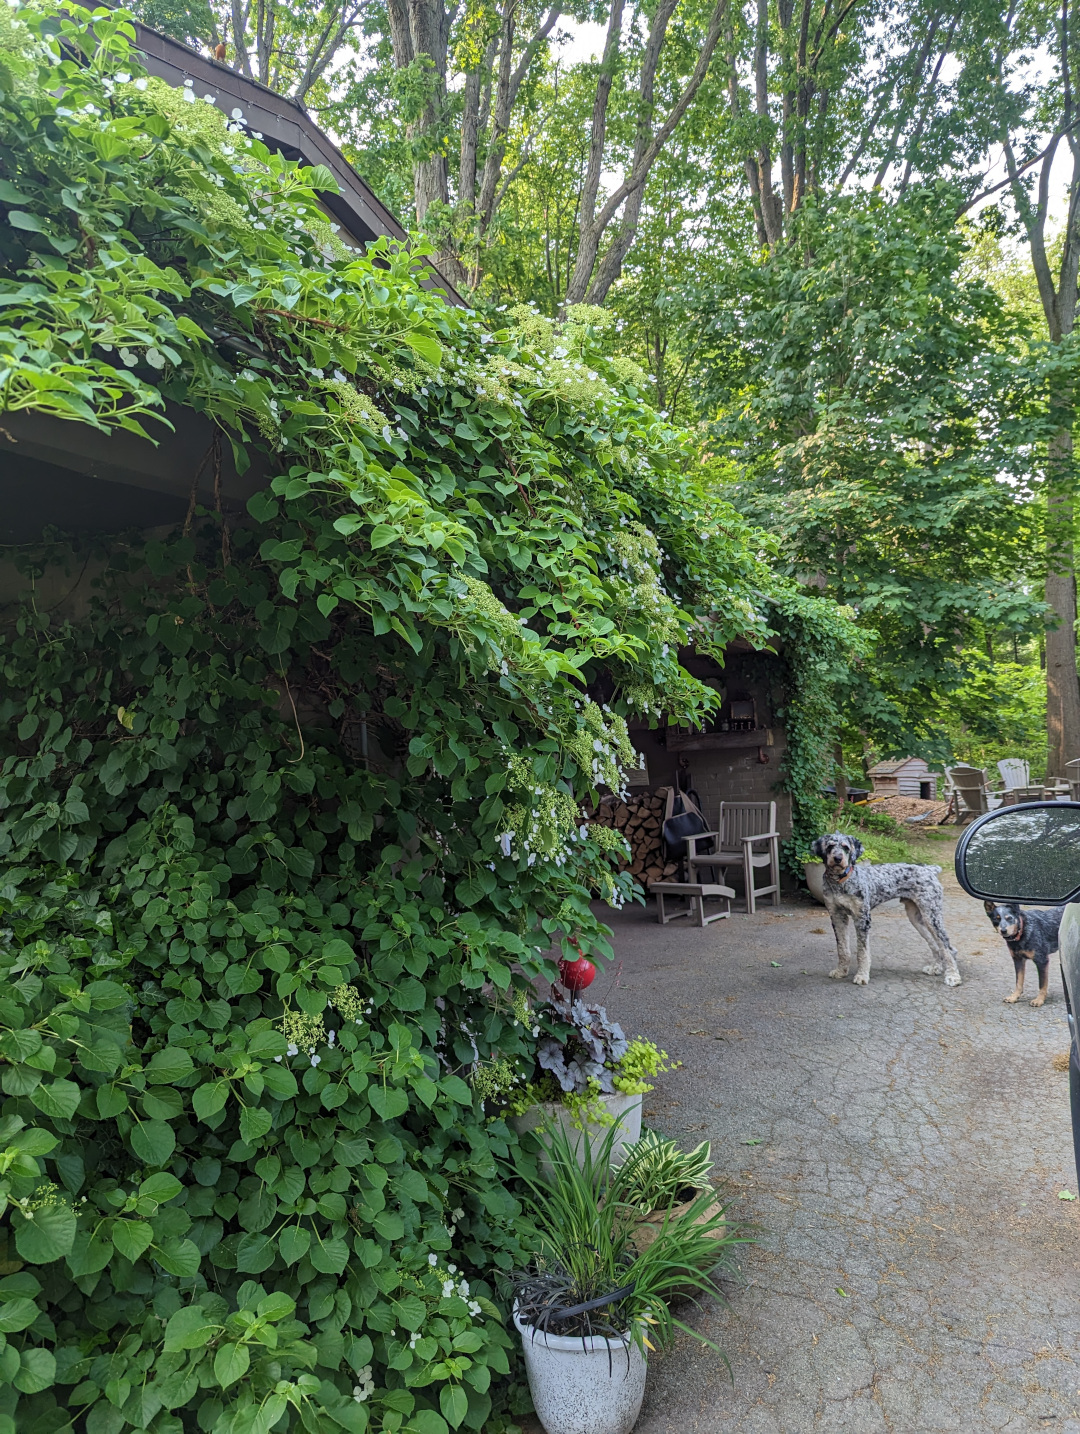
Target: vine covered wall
[(253, 966)]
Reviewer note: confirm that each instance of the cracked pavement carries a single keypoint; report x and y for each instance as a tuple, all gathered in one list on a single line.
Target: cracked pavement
[(911, 1141)]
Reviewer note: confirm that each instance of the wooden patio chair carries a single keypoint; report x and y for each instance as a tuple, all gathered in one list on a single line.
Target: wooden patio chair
[(973, 792), (1072, 774), (746, 836)]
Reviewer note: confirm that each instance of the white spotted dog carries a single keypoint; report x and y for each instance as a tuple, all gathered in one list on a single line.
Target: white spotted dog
[(851, 893)]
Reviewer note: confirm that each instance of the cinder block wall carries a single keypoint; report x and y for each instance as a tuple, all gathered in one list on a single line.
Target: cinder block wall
[(722, 775)]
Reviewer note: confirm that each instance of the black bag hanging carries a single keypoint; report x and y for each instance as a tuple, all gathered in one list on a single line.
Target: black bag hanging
[(684, 820)]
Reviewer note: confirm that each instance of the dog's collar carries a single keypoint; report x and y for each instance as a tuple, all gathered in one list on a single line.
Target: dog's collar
[(846, 874)]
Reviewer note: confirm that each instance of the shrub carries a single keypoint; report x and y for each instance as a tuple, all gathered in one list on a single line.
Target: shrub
[(289, 816)]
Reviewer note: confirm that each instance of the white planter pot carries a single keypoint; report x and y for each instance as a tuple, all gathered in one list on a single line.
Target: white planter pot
[(583, 1386), (815, 874), (626, 1109)]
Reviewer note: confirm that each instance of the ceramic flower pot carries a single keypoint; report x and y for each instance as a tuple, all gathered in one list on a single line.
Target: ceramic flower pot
[(587, 1385), (649, 1226), (626, 1109), (814, 872)]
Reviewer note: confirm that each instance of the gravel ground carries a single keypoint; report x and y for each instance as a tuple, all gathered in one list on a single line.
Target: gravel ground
[(904, 1144)]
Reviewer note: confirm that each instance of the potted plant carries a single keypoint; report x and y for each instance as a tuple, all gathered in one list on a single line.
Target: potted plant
[(814, 875), (588, 1077), (592, 1306), (660, 1182)]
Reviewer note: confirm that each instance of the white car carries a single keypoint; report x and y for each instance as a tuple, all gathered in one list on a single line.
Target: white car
[(1031, 854)]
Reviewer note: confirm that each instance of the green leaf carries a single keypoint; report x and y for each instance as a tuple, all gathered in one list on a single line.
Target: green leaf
[(275, 1307), (37, 1371), (60, 1099), (131, 1237), (160, 1187), (231, 1363), (382, 534), (321, 178), (426, 1421), (169, 1065), (48, 1235), (89, 1254), (189, 1328), (34, 1141), (17, 1314), (426, 347), (19, 1044), (254, 1124), (294, 1242), (210, 1098), (19, 219), (388, 1102), (255, 1253), (177, 1257), (389, 1224), (454, 1403), (329, 1256), (153, 1141)]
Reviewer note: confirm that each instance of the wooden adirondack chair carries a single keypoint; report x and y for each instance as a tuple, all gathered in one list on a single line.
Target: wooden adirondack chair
[(972, 791), (1072, 772), (746, 836)]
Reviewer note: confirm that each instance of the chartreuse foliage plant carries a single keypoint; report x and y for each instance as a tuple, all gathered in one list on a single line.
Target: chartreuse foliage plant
[(289, 808)]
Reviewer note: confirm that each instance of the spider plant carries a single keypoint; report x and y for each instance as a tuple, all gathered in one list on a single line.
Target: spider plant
[(657, 1174), (587, 1278)]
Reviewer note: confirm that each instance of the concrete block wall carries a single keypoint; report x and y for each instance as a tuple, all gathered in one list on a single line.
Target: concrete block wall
[(721, 774)]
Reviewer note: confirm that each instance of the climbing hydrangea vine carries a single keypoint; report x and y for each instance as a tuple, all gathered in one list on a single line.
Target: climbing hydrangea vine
[(262, 918)]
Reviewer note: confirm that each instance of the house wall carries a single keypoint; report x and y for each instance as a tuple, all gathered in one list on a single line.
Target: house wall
[(721, 775), (727, 767)]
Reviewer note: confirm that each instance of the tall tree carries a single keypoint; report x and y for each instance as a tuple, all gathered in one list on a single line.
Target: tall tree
[(292, 48), (872, 397), (1033, 126)]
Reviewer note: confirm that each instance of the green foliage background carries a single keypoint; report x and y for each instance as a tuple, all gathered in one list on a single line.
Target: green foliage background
[(878, 407), (248, 973)]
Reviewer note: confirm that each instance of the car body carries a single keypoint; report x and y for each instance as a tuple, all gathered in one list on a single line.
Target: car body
[(1030, 854)]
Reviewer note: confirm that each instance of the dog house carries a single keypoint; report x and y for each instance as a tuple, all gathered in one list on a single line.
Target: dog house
[(904, 777)]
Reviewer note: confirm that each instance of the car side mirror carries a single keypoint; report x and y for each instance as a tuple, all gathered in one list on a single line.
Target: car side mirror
[(1023, 853)]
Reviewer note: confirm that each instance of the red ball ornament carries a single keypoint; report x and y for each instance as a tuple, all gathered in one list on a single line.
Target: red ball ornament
[(576, 975)]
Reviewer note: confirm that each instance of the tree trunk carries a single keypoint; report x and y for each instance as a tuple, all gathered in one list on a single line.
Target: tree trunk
[(1062, 683), (841, 775)]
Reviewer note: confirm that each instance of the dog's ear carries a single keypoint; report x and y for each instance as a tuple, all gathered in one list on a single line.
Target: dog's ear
[(817, 848), (856, 848), (990, 907)]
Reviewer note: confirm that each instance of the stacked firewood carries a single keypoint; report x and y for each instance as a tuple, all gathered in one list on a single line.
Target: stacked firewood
[(640, 820)]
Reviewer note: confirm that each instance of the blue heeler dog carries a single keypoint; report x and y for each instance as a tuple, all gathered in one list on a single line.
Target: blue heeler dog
[(851, 893), (1030, 936)]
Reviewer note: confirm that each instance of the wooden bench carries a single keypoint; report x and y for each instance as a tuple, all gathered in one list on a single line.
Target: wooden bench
[(695, 892)]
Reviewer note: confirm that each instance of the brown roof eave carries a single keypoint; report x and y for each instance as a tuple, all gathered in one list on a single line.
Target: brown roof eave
[(287, 128)]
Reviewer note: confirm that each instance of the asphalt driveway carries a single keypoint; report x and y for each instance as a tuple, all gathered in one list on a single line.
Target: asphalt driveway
[(901, 1148)]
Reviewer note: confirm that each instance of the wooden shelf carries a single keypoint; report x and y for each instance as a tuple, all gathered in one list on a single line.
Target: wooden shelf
[(682, 741)]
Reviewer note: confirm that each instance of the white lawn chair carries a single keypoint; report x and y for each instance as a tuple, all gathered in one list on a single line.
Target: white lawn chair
[(746, 837), (1015, 772)]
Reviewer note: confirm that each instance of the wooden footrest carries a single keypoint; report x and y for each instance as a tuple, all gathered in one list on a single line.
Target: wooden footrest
[(696, 893)]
